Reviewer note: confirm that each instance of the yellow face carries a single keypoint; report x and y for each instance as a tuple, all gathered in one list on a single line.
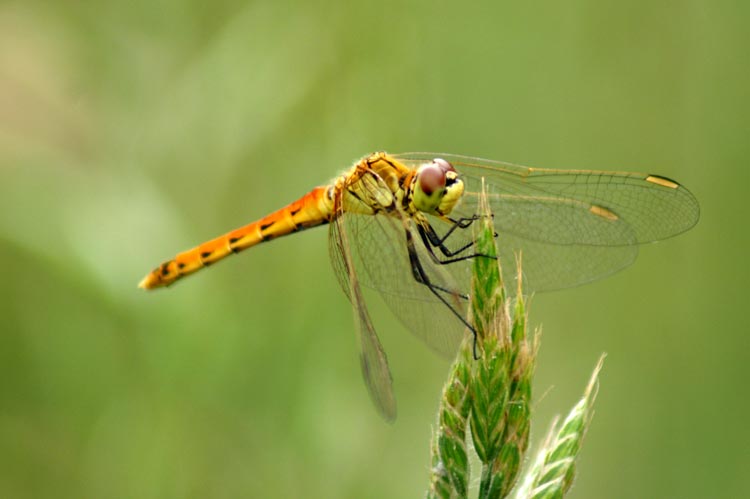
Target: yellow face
[(437, 188)]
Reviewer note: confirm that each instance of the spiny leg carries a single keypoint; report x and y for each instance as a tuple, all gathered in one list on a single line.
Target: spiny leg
[(421, 277), (431, 240), (460, 223)]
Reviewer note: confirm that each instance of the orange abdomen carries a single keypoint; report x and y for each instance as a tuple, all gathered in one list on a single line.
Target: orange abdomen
[(313, 209)]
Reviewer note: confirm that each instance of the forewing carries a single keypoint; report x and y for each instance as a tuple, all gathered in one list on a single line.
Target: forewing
[(373, 360), (571, 226)]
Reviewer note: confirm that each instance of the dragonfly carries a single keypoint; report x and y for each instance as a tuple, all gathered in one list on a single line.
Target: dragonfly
[(401, 224)]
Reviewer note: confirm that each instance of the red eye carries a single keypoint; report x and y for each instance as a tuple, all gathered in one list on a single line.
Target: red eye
[(443, 164), (432, 177)]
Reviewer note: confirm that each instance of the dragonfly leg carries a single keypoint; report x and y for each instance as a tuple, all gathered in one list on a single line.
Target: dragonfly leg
[(463, 223), (460, 223), (431, 240), (421, 277)]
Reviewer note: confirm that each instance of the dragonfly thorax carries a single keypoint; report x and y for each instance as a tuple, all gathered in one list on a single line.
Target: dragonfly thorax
[(436, 188)]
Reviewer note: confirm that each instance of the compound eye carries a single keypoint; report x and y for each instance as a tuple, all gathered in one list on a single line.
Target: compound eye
[(443, 165), (432, 177)]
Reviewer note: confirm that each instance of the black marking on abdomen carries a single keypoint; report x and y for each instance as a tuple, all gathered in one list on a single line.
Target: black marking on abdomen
[(204, 255), (232, 248), (164, 270), (307, 224), (266, 225), (180, 265)]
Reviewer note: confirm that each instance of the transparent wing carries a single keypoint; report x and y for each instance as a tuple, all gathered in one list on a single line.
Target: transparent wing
[(380, 252), (373, 361), (572, 226)]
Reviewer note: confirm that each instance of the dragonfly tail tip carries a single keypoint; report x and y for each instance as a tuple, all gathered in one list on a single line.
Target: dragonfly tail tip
[(148, 282)]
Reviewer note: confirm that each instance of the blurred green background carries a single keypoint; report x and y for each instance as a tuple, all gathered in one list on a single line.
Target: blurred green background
[(132, 130)]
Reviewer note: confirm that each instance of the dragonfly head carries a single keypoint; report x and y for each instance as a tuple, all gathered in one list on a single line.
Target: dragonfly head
[(437, 187)]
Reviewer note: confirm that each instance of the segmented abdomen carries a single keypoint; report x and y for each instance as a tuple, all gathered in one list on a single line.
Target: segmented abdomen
[(313, 209)]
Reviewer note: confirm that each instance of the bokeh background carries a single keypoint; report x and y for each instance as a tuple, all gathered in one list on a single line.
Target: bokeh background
[(132, 130)]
